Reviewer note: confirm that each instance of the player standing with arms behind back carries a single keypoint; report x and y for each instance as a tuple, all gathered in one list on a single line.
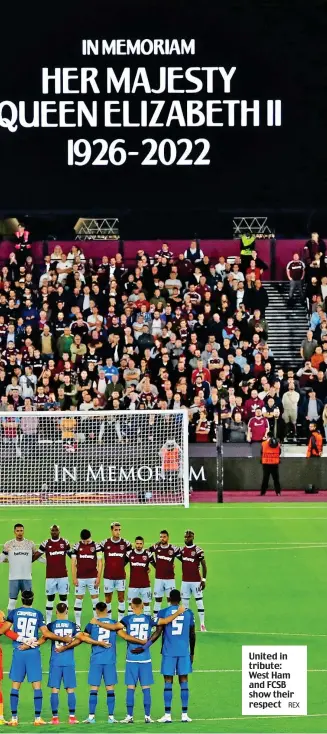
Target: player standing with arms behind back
[(20, 554), (86, 571), (164, 555), (192, 556), (115, 549), (139, 581), (55, 549)]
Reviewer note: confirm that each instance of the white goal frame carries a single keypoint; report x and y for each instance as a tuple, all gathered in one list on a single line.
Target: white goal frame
[(26, 444)]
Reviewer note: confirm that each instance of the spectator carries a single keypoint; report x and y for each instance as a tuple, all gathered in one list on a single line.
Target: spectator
[(313, 408), (295, 271), (314, 246), (308, 346), (194, 253), (258, 427), (290, 402), (237, 428)]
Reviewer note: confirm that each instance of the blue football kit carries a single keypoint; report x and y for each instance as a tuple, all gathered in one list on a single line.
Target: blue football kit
[(62, 665), (138, 667), (103, 660), (26, 621), (175, 650)]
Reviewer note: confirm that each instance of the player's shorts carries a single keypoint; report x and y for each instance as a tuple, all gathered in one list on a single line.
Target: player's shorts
[(144, 594), (139, 672), (1, 665), (110, 585), (107, 672), (163, 587), (176, 665), (191, 587), (57, 586), (17, 585), (26, 663), (83, 585), (64, 673)]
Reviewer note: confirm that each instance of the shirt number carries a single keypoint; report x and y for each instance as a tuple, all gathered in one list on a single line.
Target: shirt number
[(139, 630), (177, 625), (61, 632), (103, 635), (26, 626)]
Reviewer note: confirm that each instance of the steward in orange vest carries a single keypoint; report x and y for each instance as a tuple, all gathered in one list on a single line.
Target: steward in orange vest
[(270, 454), (270, 459), (315, 445)]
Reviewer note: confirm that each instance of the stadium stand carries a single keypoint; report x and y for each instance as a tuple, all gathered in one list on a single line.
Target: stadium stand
[(165, 325)]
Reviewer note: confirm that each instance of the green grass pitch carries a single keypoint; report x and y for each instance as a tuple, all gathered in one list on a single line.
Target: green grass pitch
[(266, 585)]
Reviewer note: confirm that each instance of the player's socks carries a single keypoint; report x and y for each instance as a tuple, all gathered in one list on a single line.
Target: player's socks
[(93, 700), (130, 695), (168, 696), (54, 703), (1, 705), (157, 605), (147, 701), (11, 604), (147, 609), (111, 700), (71, 698), (121, 610), (184, 696), (109, 609), (14, 696), (94, 603), (186, 603), (199, 604), (38, 699), (78, 611), (48, 611)]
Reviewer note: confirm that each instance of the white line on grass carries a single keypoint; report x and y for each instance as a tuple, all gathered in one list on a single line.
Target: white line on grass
[(260, 550), (263, 542), (274, 634), (223, 519), (213, 670)]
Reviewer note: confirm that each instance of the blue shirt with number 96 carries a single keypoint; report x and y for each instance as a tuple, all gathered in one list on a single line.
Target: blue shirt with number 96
[(26, 621)]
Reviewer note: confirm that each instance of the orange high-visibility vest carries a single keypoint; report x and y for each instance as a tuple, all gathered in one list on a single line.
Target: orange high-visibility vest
[(170, 459), (269, 454)]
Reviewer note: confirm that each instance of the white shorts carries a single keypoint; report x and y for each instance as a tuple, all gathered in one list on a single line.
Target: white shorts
[(143, 593), (110, 585), (83, 584), (191, 587), (57, 586), (163, 587)]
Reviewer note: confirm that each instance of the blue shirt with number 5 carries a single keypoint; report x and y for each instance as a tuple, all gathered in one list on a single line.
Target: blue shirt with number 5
[(176, 634)]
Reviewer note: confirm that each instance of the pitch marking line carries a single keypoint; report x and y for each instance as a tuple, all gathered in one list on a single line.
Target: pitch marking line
[(222, 670), (264, 542), (260, 550)]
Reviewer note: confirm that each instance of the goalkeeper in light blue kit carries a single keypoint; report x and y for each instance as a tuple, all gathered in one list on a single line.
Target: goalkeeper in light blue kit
[(177, 651)]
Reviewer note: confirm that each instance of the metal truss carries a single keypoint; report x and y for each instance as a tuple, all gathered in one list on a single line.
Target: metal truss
[(97, 229)]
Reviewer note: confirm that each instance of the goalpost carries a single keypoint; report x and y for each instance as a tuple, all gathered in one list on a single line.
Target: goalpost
[(94, 458)]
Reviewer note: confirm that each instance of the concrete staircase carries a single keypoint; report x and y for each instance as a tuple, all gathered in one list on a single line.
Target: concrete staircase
[(287, 325)]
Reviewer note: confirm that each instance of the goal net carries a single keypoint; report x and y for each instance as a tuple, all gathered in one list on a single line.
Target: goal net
[(96, 457)]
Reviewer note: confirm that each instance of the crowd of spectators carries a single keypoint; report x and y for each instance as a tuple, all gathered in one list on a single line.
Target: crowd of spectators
[(165, 333)]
